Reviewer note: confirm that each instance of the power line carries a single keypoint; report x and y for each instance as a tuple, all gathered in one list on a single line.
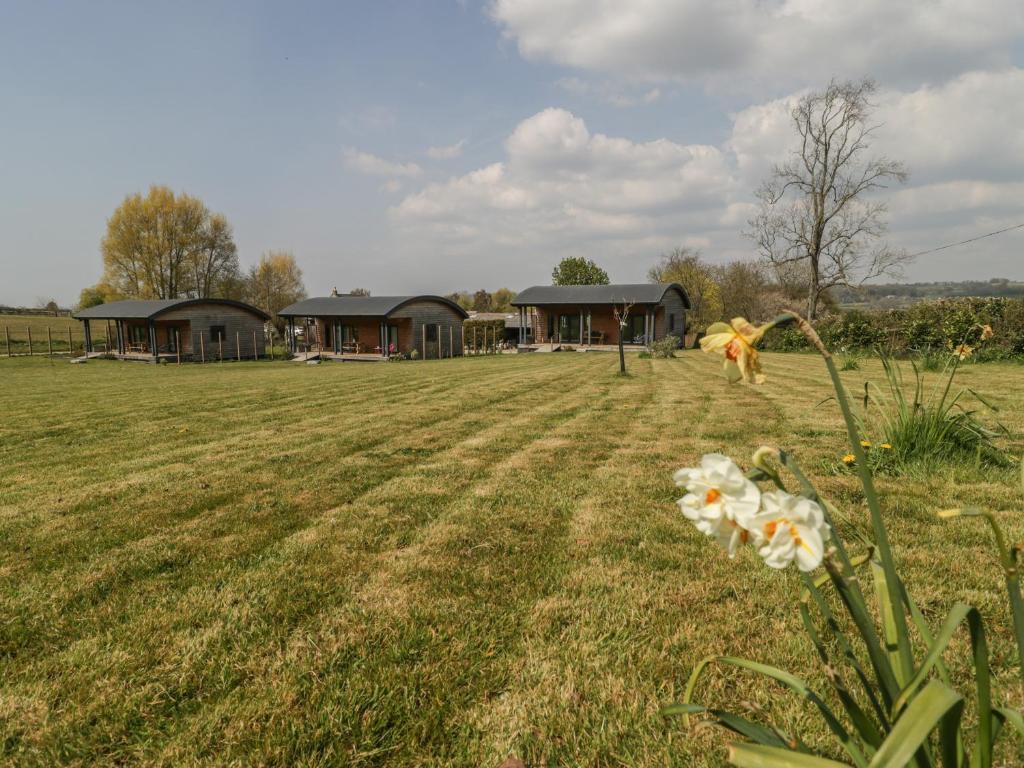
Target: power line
[(965, 242)]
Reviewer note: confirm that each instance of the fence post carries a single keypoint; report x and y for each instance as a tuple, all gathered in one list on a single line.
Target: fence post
[(7, 338), (220, 346), (202, 348), (49, 341), (71, 345), (451, 343), (424, 328), (177, 344), (271, 342), (238, 348), (29, 329), (254, 355)]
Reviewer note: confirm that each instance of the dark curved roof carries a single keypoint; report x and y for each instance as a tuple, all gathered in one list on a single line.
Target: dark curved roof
[(636, 293), (147, 309), (359, 306)]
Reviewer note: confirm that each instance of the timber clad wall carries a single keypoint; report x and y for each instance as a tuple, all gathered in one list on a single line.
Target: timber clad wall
[(418, 313), (235, 321), (672, 304)]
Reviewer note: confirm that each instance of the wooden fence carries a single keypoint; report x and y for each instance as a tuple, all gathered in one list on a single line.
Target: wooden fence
[(41, 338)]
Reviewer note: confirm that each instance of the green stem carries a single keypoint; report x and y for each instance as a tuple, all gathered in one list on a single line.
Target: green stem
[(871, 497)]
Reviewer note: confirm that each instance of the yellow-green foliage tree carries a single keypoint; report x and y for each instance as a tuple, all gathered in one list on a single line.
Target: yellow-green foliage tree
[(167, 246), (685, 266), (275, 282)]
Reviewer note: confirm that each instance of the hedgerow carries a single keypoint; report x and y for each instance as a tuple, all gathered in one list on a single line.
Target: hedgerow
[(928, 325)]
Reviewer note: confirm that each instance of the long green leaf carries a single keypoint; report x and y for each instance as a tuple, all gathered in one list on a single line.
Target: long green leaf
[(919, 720), (756, 732), (757, 756), (797, 685), (890, 629)]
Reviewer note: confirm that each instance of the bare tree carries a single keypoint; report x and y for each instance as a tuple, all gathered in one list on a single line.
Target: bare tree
[(622, 318), (816, 209)]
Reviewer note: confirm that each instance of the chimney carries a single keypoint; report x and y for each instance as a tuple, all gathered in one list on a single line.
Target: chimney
[(334, 291)]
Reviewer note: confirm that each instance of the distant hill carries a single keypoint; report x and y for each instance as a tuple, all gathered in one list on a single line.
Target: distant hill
[(892, 295)]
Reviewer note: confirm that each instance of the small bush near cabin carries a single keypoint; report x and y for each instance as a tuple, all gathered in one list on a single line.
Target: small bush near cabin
[(665, 347)]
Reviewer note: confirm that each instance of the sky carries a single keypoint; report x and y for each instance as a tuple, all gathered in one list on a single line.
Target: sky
[(436, 145)]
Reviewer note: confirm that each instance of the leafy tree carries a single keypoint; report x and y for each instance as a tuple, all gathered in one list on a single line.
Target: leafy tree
[(501, 300), (686, 267), (94, 295), (461, 298), (214, 262), (817, 210), (359, 292), (481, 301), (576, 270), (275, 282), (167, 246), (746, 290)]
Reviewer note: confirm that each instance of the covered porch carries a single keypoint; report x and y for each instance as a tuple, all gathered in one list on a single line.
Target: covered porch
[(146, 339), (349, 338), (594, 327)]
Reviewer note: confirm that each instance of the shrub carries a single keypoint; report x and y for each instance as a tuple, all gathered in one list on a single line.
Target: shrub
[(665, 347)]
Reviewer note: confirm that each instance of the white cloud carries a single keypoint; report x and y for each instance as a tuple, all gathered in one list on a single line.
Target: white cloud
[(562, 189), (372, 165), (785, 42), (446, 153)]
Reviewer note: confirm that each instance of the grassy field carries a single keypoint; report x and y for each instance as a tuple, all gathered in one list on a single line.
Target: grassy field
[(19, 327), (432, 563)]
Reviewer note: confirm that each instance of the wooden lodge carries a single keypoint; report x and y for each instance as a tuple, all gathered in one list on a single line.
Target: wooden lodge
[(178, 329), (345, 327), (583, 316)]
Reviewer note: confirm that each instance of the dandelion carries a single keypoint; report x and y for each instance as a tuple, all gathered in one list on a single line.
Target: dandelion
[(720, 500), (865, 444), (849, 458), (792, 528), (886, 446), (736, 340), (963, 351)]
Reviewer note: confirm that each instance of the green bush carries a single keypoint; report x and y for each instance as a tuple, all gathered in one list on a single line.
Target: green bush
[(921, 329), (665, 347)]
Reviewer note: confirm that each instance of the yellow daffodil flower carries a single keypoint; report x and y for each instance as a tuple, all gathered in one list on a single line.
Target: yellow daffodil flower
[(736, 340), (964, 351)]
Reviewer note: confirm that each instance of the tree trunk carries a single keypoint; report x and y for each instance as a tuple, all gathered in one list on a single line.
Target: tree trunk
[(622, 353)]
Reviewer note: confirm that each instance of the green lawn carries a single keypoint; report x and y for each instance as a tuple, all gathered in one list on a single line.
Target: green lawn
[(18, 328), (420, 563)]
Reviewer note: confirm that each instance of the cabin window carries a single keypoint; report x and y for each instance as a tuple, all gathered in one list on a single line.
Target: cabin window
[(431, 333), (137, 334), (671, 322), (217, 332), (349, 334)]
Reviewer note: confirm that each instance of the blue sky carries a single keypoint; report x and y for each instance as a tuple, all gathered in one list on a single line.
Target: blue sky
[(564, 127)]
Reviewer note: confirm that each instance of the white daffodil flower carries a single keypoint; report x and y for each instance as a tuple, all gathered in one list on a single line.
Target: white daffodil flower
[(791, 528), (720, 500)]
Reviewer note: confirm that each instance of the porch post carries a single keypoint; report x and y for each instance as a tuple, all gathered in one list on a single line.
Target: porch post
[(152, 339), (581, 327), (88, 340)]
